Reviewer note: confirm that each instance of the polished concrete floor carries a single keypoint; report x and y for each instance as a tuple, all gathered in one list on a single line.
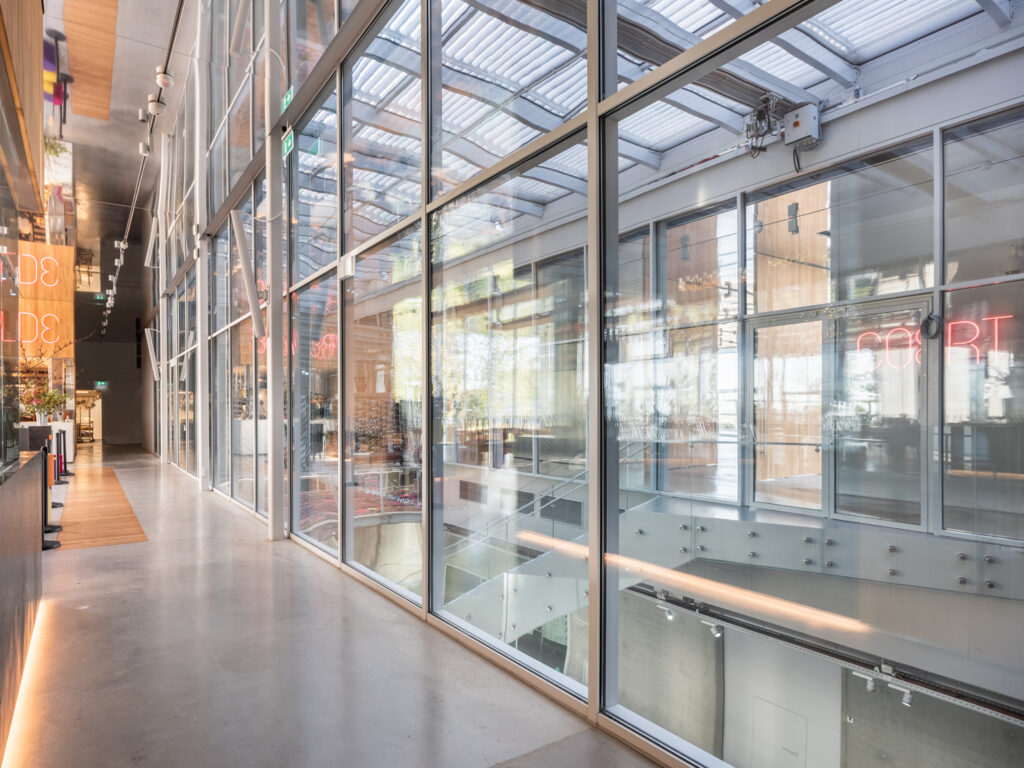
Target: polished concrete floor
[(209, 646)]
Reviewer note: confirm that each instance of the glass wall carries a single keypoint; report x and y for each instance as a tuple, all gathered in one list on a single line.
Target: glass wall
[(808, 445), (315, 448), (383, 420), (510, 391)]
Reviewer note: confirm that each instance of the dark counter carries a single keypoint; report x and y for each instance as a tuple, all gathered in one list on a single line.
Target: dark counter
[(21, 501)]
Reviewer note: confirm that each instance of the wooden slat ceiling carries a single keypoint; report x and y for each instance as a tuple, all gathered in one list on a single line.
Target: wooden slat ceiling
[(91, 27)]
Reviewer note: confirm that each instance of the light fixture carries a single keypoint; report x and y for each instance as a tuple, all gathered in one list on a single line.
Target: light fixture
[(717, 630), (669, 616), (869, 681), (908, 697), (155, 105), (164, 79), (142, 115), (144, 149)]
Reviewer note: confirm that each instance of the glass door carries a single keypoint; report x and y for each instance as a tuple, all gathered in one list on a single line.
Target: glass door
[(787, 408), (878, 413)]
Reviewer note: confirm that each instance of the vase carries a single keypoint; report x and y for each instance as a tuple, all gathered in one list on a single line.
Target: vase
[(41, 417)]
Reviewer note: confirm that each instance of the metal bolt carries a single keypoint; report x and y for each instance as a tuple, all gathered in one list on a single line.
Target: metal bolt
[(586, 593), (989, 559), (961, 556), (751, 534), (892, 547), (807, 561), (700, 529), (828, 563), (808, 539), (700, 547), (990, 584), (892, 571), (501, 597), (547, 575), (751, 555), (961, 580), (548, 609), (828, 542), (683, 550), (683, 527), (638, 532)]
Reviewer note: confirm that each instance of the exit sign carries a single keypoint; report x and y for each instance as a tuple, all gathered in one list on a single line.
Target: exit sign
[(100, 384), (287, 144), (287, 98)]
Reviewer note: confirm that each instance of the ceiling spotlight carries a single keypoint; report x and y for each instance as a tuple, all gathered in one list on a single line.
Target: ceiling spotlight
[(155, 105), (164, 79), (144, 149), (908, 699), (717, 630), (669, 616), (869, 681), (142, 115)]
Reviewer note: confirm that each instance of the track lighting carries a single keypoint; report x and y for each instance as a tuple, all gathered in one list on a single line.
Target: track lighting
[(142, 115), (164, 79), (717, 630), (155, 105), (144, 149), (669, 616), (869, 681), (908, 697)]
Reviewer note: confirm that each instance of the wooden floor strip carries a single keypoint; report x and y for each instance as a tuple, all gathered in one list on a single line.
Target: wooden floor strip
[(96, 512)]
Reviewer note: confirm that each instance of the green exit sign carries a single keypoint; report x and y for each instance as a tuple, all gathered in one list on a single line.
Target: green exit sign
[(100, 384), (287, 143), (287, 98)]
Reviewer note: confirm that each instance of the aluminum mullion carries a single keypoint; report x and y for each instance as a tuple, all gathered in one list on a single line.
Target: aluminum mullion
[(744, 446), (935, 469)]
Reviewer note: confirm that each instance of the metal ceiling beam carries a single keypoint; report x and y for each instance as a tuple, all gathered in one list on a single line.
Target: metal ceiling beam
[(1000, 10), (800, 45), (642, 17)]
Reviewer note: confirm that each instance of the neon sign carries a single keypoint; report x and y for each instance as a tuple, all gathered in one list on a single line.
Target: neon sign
[(41, 270), (900, 346), (45, 328)]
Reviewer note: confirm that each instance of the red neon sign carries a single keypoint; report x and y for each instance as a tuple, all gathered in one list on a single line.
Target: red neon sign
[(902, 345)]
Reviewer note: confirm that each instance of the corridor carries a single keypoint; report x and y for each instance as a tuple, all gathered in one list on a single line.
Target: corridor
[(209, 646)]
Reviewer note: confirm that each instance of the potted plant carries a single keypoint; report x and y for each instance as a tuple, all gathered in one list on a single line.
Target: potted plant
[(39, 401)]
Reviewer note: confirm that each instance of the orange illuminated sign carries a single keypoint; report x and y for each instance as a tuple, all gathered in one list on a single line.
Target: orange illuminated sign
[(45, 325)]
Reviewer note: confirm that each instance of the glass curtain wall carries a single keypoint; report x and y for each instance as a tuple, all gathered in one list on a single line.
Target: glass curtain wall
[(182, 345), (810, 420)]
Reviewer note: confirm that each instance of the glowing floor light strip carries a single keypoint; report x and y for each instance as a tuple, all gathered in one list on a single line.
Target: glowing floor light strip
[(19, 738)]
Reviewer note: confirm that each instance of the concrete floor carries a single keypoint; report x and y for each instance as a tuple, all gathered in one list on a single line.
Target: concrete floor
[(210, 646)]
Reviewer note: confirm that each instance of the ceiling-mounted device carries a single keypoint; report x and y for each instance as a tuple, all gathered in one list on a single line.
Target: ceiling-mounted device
[(155, 105), (802, 127), (164, 79)]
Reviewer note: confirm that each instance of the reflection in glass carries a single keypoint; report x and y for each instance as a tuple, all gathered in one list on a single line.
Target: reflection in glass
[(510, 391), (312, 27), (383, 367), (239, 297), (262, 456), (983, 434), (787, 414), (984, 185), (876, 415), (510, 73), (382, 128), (314, 189), (314, 412), (239, 135), (220, 412), (243, 420), (220, 281)]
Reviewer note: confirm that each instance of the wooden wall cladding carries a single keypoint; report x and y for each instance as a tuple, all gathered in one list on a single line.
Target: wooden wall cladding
[(46, 312), (91, 27), (22, 44)]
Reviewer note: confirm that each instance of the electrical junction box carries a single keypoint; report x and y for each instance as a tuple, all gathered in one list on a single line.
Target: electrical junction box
[(802, 126)]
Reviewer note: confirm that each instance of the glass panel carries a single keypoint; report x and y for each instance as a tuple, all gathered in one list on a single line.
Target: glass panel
[(984, 186), (312, 27), (220, 406), (860, 230), (190, 309), (383, 412), (239, 135), (218, 172), (314, 412), (190, 405), (239, 297), (182, 315), (218, 64), (876, 415), (243, 421), (314, 168), (261, 421), (983, 434), (259, 230), (787, 414), (382, 128), (181, 413), (239, 41), (507, 341), (509, 74), (219, 279)]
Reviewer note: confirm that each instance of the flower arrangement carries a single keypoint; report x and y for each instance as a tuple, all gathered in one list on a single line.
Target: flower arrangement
[(36, 400)]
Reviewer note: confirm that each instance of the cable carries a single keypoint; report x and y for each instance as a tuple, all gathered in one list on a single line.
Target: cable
[(796, 160)]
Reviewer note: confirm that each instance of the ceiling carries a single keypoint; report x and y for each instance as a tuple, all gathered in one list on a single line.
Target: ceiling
[(106, 156)]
